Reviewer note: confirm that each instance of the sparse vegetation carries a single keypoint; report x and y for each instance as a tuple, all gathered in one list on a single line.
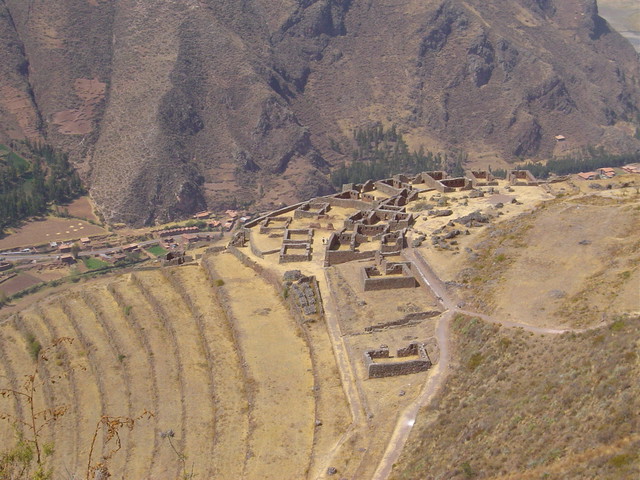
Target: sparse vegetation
[(28, 458), (34, 347), (548, 403)]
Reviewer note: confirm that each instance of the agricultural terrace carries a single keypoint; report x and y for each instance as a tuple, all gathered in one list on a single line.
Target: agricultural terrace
[(234, 379)]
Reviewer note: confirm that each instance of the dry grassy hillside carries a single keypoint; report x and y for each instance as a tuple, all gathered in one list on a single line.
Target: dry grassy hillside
[(525, 406), (569, 262), (168, 107)]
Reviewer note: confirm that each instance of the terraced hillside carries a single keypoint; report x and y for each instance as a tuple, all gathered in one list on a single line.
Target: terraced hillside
[(215, 366)]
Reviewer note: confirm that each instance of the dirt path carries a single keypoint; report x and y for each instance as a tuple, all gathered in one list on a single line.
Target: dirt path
[(438, 374)]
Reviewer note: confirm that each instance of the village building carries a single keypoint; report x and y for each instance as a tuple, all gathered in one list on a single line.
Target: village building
[(607, 172), (588, 175), (132, 247), (202, 215), (67, 259)]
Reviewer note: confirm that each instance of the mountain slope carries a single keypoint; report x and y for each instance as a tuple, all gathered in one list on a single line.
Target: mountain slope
[(168, 107)]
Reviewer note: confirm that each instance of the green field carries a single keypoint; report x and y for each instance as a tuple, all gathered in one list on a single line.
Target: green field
[(157, 250), (94, 263)]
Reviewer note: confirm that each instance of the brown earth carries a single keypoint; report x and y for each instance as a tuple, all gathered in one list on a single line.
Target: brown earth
[(49, 229), (19, 283), (238, 103), (82, 208)]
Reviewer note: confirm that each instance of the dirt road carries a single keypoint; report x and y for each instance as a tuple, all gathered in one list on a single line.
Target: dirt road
[(438, 374)]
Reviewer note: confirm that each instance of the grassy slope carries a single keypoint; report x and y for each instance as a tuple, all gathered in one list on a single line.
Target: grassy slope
[(533, 407)]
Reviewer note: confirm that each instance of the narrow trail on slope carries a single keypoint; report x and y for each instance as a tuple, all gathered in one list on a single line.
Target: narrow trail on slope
[(439, 373)]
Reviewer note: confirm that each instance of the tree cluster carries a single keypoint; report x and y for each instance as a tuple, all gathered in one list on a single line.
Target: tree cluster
[(42, 177), (588, 159), (380, 153)]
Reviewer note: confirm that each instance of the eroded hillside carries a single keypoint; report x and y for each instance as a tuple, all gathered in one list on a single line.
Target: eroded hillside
[(171, 106)]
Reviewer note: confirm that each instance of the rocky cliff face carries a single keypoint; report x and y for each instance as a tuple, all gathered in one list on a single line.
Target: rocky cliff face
[(168, 107)]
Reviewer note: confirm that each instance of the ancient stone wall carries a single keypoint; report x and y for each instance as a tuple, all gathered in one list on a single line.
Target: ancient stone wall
[(409, 319), (343, 256), (395, 276), (461, 183), (482, 178), (349, 203), (388, 189), (275, 213), (312, 210), (390, 369), (522, 178), (293, 252)]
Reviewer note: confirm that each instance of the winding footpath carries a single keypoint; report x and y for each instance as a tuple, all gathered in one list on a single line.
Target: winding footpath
[(439, 373)]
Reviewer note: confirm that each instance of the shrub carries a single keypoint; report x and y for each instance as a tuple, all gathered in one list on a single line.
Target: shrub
[(33, 346), (474, 361), (219, 282)]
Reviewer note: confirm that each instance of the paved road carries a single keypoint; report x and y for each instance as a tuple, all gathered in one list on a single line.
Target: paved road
[(438, 374)]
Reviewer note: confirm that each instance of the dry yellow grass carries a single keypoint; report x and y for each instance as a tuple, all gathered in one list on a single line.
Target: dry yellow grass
[(519, 405), (279, 368)]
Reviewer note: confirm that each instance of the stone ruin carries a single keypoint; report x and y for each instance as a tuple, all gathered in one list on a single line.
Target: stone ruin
[(522, 178), (388, 276), (304, 292), (378, 368), (482, 178), (275, 225), (313, 209), (296, 249)]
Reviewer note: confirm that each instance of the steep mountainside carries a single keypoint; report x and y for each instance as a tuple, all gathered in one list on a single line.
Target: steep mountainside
[(168, 107)]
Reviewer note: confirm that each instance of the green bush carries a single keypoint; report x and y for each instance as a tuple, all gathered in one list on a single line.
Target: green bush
[(33, 346), (474, 361)]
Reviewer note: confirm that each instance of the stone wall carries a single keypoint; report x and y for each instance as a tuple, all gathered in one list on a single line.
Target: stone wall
[(388, 189), (409, 319), (312, 210), (482, 178), (335, 201), (343, 256), (294, 252), (391, 369), (521, 178), (275, 213), (461, 183), (396, 275)]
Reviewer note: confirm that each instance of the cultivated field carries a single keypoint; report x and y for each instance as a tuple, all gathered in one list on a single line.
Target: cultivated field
[(82, 208), (49, 229)]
